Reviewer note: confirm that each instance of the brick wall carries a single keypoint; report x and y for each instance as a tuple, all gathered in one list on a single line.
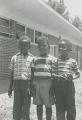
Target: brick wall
[(8, 43)]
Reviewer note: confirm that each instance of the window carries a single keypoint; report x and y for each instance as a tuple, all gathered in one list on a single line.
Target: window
[(44, 34), (53, 50), (4, 22), (20, 28), (6, 35), (73, 48), (11, 24), (37, 34), (53, 38), (30, 33), (11, 36)]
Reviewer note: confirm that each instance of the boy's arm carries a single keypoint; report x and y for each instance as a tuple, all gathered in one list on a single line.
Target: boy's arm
[(32, 89), (11, 76), (32, 76), (11, 84), (76, 70)]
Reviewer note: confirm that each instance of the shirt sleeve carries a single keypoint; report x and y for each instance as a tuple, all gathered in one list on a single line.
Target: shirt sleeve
[(75, 69), (12, 63), (33, 62), (54, 66)]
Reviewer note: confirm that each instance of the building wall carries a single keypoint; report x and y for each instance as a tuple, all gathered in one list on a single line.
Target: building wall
[(9, 29), (81, 59)]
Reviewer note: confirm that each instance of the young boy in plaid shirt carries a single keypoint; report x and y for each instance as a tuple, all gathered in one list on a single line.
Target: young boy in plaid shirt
[(20, 67), (43, 67)]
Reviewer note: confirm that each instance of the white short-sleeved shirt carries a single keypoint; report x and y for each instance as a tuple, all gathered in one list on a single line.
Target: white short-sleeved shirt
[(21, 66)]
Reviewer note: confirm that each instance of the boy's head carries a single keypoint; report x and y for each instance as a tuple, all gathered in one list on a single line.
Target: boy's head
[(24, 44), (64, 48), (43, 45)]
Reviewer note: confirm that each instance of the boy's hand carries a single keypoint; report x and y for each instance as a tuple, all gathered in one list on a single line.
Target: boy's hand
[(58, 76), (10, 92), (64, 77), (69, 77), (33, 91), (51, 91)]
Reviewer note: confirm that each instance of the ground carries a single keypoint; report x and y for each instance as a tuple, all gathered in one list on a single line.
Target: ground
[(6, 103)]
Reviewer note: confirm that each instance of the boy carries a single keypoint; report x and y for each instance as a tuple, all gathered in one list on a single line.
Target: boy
[(67, 70), (43, 68), (20, 76)]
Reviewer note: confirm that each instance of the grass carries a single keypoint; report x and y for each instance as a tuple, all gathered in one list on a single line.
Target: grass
[(6, 103), (4, 84)]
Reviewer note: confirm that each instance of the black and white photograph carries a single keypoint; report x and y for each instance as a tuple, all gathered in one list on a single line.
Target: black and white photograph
[(40, 60)]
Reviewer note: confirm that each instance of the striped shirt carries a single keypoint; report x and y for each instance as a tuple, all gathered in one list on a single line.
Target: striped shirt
[(21, 65), (67, 66), (44, 67)]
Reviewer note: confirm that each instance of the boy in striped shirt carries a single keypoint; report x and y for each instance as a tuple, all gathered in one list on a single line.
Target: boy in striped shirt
[(67, 70), (43, 68)]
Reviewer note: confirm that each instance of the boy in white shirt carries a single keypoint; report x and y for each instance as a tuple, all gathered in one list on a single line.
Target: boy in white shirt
[(20, 67)]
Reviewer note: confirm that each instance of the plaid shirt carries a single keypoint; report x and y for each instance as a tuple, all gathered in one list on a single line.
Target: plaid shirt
[(21, 66)]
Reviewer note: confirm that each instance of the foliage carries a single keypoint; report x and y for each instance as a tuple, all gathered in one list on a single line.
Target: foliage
[(76, 21), (60, 8)]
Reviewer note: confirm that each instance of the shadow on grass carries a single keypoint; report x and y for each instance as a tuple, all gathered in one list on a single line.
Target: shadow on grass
[(4, 85)]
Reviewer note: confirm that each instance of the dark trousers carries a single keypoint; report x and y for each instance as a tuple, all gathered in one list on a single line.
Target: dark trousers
[(65, 100), (40, 112), (21, 104)]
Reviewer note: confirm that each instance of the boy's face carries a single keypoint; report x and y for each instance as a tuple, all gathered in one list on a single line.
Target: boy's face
[(63, 51), (23, 47), (43, 48)]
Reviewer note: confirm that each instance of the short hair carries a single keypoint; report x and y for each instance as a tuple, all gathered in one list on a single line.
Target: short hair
[(67, 44), (42, 39), (24, 39)]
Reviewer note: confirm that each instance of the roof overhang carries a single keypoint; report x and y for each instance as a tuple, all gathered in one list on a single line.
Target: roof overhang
[(37, 15)]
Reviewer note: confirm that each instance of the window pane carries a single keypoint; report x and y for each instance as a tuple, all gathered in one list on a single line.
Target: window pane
[(37, 34), (4, 34), (10, 24), (52, 49), (30, 33), (11, 36), (4, 22), (55, 49), (18, 34), (20, 28), (53, 38)]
